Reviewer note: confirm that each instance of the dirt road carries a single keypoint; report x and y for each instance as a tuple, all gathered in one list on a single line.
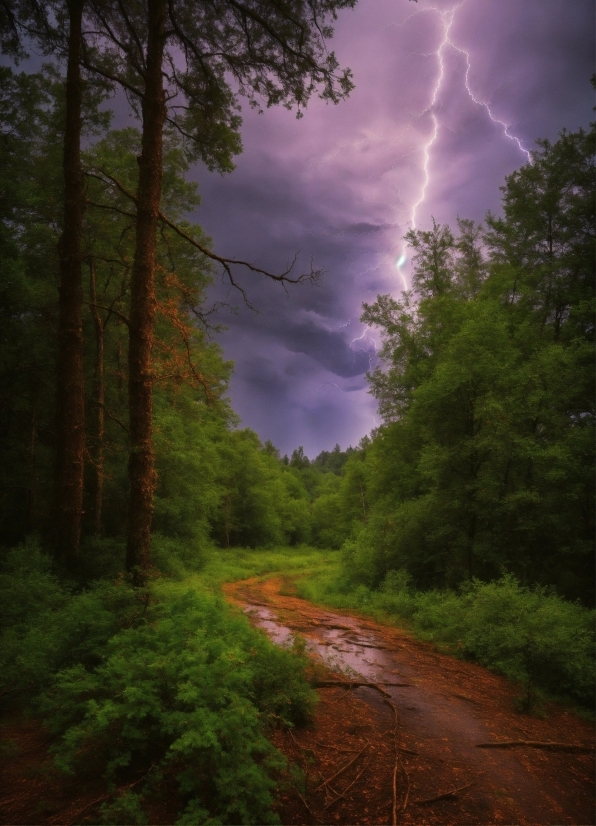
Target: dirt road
[(408, 750)]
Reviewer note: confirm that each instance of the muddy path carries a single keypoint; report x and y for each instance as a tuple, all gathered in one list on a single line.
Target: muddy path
[(408, 750)]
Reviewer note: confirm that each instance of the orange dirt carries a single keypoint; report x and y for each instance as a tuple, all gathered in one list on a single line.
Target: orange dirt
[(345, 765)]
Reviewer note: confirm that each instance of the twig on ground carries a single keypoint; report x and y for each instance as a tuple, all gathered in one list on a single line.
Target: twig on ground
[(357, 684), (308, 809), (394, 810), (111, 794), (348, 787), (345, 768), (391, 704), (443, 795), (405, 803), (88, 806), (538, 744), (401, 748), (366, 645)]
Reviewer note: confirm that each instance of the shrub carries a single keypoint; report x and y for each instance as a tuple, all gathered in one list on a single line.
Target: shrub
[(532, 636), (46, 627), (190, 689)]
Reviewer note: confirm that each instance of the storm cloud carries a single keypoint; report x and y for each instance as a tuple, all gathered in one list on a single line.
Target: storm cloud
[(425, 126)]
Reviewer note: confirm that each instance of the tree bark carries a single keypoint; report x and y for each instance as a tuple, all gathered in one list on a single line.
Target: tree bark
[(99, 392), (141, 471), (70, 407)]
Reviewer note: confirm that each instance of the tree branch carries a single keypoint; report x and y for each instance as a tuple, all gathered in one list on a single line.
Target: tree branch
[(313, 276)]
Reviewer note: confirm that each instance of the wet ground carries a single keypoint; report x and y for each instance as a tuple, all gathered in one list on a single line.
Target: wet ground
[(407, 751)]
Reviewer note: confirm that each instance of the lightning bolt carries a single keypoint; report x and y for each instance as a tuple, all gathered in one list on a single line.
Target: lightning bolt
[(447, 17)]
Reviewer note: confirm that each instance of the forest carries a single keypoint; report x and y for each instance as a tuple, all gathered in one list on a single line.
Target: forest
[(129, 490)]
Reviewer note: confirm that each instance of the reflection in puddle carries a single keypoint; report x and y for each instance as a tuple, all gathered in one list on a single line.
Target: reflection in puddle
[(340, 646)]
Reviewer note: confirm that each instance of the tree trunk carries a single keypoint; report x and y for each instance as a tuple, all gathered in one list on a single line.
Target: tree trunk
[(99, 392), (141, 471), (70, 408), (32, 511)]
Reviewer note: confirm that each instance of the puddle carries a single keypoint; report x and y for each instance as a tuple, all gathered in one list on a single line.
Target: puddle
[(341, 646)]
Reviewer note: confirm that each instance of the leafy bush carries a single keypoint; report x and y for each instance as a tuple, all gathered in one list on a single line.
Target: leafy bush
[(28, 587), (530, 635), (102, 557), (45, 627), (178, 557), (190, 690)]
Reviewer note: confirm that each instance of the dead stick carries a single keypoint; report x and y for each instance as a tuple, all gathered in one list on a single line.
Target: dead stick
[(401, 748), (308, 809), (390, 703), (405, 803), (357, 684), (88, 806), (538, 744), (345, 768), (110, 794), (443, 795), (347, 789), (394, 811)]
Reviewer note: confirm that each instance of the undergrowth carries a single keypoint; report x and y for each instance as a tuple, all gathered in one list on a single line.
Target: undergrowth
[(162, 684), (169, 684), (233, 564), (530, 635)]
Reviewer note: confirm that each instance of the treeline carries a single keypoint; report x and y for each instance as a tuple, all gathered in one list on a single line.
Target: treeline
[(485, 462)]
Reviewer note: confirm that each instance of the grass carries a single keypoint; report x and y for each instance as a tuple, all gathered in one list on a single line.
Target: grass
[(233, 564), (530, 635)]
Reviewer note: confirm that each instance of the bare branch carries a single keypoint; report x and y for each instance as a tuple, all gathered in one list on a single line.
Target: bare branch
[(283, 278)]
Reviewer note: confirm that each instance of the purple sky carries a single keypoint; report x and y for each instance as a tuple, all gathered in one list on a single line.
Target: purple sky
[(419, 136)]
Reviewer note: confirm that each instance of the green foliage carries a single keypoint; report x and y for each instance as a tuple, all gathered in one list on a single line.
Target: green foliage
[(233, 564), (188, 688), (485, 462), (124, 809), (530, 635), (46, 627)]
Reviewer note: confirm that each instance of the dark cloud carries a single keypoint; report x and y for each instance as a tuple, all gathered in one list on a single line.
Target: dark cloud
[(329, 349), (365, 228), (340, 185)]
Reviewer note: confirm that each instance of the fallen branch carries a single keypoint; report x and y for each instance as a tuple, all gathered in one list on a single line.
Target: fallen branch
[(538, 744), (345, 768), (358, 684), (348, 787), (365, 645), (401, 748), (88, 806), (405, 803), (108, 795), (322, 624), (394, 810), (308, 809), (443, 795), (408, 751)]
